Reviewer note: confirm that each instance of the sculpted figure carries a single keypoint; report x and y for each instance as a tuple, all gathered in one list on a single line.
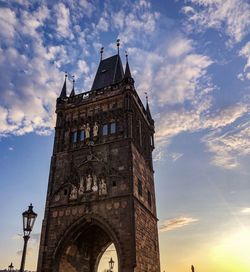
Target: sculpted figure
[(103, 187), (87, 131), (88, 182), (95, 186), (73, 193), (95, 130), (81, 187)]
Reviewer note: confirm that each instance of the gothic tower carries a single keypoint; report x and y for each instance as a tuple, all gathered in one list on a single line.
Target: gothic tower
[(101, 185)]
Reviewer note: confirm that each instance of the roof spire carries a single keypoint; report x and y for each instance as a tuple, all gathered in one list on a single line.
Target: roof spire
[(64, 88), (73, 87), (101, 52), (147, 108), (127, 69), (118, 46)]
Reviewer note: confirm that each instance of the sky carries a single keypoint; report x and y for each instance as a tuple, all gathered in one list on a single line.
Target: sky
[(192, 57)]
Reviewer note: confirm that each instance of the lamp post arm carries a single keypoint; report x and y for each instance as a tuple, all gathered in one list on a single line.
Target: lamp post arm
[(26, 238)]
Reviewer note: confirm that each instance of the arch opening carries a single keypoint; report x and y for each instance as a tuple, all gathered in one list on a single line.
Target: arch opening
[(109, 253), (87, 250)]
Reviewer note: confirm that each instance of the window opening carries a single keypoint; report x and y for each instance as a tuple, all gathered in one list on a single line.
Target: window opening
[(113, 128), (105, 130)]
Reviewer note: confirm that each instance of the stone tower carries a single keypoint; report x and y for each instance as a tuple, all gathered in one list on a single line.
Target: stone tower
[(101, 185)]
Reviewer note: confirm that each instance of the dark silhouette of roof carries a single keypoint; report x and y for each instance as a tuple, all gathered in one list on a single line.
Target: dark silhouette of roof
[(127, 71), (110, 71), (149, 113), (73, 89)]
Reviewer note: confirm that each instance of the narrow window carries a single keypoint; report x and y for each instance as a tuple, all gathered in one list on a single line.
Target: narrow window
[(113, 128), (139, 187), (82, 135), (149, 199), (105, 130), (114, 183), (74, 137)]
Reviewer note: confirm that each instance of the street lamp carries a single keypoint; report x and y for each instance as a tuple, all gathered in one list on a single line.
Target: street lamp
[(29, 218), (11, 267), (111, 264)]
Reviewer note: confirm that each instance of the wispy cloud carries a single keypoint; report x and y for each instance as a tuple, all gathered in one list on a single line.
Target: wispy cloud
[(176, 156), (231, 17), (229, 144), (176, 223), (245, 52)]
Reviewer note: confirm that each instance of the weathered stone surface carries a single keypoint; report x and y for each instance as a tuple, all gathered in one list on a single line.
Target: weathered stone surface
[(101, 187)]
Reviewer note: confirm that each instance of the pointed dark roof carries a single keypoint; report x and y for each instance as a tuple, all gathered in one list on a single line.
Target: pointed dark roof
[(127, 71), (72, 92), (64, 89), (148, 112), (73, 88), (110, 71)]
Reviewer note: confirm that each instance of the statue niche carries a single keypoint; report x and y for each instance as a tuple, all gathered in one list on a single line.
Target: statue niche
[(89, 184)]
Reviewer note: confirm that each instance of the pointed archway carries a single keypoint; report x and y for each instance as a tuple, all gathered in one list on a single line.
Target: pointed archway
[(83, 244)]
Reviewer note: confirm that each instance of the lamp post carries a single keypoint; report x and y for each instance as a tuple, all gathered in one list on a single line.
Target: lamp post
[(111, 265), (29, 218), (11, 267)]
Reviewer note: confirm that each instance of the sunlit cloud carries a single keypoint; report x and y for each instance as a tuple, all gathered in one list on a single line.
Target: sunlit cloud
[(245, 211), (176, 223)]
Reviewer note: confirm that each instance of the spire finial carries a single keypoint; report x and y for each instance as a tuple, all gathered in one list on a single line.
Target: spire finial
[(73, 86), (118, 45), (126, 54), (101, 51), (146, 97), (66, 74)]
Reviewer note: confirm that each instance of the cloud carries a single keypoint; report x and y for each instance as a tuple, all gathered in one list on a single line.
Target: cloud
[(103, 24), (245, 52), (7, 25), (135, 20), (176, 156), (83, 66), (172, 78), (231, 17), (176, 223), (11, 148), (245, 211), (63, 21), (229, 144)]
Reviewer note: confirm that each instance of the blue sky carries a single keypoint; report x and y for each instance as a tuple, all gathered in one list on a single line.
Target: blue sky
[(192, 58)]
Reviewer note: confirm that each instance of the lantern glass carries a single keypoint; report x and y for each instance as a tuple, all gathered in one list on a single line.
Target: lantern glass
[(29, 218)]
